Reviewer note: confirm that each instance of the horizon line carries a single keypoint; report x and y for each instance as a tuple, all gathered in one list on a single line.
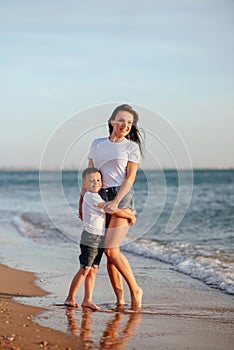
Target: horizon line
[(36, 169)]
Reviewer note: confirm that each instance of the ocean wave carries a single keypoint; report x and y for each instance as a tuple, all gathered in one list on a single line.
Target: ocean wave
[(212, 267), (38, 227)]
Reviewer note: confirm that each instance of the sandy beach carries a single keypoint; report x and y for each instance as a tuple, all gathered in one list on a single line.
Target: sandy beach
[(178, 313), (18, 331)]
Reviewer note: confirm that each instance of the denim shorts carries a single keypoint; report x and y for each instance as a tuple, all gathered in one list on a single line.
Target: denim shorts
[(108, 194), (91, 251)]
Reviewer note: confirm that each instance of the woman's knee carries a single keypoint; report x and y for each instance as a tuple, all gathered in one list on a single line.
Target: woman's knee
[(111, 253)]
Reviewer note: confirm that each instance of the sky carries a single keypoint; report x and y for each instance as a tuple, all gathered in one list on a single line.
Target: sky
[(172, 60)]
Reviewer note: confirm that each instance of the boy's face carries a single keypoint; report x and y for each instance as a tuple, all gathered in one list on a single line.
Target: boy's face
[(93, 182)]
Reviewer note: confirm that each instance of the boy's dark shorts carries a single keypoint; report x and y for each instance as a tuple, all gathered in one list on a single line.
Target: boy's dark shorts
[(91, 251)]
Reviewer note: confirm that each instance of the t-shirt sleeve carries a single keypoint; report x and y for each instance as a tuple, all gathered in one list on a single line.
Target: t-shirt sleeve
[(93, 199), (92, 148), (134, 154)]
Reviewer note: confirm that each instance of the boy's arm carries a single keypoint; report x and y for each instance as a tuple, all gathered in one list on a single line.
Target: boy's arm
[(82, 192), (101, 205), (124, 213)]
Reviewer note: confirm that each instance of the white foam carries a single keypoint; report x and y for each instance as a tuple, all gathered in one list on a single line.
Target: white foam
[(190, 260), (200, 262), (39, 228), (20, 225)]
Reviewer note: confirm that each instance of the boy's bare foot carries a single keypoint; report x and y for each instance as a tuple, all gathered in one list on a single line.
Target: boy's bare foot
[(70, 303), (136, 299), (90, 305)]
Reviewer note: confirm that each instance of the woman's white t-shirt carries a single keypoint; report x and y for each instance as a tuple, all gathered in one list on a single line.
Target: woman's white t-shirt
[(111, 158), (94, 218)]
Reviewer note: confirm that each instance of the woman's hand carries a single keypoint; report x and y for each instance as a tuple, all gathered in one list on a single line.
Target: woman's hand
[(110, 207)]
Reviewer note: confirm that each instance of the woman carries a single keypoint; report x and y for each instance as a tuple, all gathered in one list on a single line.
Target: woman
[(118, 157)]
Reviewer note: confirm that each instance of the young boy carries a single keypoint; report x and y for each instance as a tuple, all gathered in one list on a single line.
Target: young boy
[(92, 238)]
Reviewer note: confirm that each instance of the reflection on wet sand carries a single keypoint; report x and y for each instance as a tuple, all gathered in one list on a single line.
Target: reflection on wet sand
[(115, 335)]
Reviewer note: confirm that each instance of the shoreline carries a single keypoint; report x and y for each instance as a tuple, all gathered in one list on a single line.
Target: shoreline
[(18, 330), (178, 313)]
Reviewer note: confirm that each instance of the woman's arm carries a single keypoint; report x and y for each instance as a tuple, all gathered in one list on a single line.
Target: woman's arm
[(111, 206), (90, 163), (82, 192)]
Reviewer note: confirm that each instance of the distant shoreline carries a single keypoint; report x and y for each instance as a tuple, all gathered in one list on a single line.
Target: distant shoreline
[(28, 169)]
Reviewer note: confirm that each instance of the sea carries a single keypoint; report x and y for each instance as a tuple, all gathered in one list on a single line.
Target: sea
[(188, 225)]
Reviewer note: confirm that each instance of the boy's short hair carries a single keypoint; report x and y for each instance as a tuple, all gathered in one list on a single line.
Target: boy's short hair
[(90, 171)]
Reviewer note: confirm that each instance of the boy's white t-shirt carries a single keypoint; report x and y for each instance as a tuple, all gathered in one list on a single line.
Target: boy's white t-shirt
[(111, 158), (93, 216)]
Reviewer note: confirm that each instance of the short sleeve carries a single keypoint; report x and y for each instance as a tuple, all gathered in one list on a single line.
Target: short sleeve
[(135, 154), (92, 148), (93, 199)]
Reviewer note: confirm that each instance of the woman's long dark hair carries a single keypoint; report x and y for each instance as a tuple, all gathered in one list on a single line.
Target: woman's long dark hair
[(134, 134)]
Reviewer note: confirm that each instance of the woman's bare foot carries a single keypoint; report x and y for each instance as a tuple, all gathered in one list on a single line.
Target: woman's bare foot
[(90, 305), (70, 303), (119, 307), (120, 304), (119, 292), (136, 299), (120, 300)]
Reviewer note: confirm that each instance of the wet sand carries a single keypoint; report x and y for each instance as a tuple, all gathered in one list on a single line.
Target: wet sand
[(178, 313), (18, 331)]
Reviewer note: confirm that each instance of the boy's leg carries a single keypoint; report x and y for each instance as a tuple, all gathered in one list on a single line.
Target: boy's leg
[(85, 258), (75, 284), (91, 277), (88, 289)]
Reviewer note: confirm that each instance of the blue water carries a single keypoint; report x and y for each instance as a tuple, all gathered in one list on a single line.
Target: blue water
[(201, 245)]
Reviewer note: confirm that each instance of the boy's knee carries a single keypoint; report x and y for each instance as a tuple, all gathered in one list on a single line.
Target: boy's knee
[(93, 270), (85, 271)]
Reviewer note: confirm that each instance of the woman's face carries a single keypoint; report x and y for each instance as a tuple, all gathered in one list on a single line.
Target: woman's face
[(122, 124)]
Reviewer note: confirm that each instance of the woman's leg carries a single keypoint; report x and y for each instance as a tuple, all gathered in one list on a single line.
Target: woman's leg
[(116, 281), (115, 276), (115, 234)]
